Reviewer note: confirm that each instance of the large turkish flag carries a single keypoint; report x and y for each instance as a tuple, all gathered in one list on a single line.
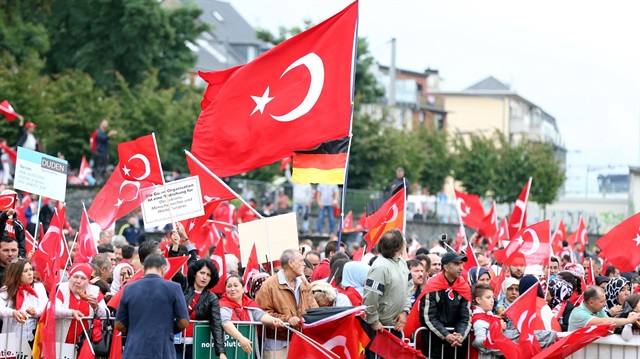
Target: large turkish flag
[(293, 97)]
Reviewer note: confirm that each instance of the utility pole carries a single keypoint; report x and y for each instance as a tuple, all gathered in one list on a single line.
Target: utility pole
[(392, 74)]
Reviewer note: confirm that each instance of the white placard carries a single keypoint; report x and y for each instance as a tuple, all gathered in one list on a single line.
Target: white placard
[(41, 174), (279, 231), (185, 198)]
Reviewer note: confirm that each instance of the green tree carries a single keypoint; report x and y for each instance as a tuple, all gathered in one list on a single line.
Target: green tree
[(129, 37), (436, 158), (512, 171), (474, 162), (21, 36), (548, 175)]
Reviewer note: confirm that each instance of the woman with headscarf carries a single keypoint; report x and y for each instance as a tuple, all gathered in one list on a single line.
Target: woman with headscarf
[(236, 306), (255, 283), (574, 274), (352, 284), (327, 296), (478, 275), (616, 292), (21, 300), (559, 293), (77, 299), (510, 292), (121, 274)]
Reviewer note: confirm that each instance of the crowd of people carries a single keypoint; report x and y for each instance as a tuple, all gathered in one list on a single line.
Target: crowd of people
[(402, 291)]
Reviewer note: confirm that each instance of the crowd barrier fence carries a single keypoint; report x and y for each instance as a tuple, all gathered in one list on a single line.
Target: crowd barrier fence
[(16, 344)]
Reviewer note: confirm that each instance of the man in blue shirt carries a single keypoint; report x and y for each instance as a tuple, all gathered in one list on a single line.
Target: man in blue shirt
[(591, 311), (151, 311)]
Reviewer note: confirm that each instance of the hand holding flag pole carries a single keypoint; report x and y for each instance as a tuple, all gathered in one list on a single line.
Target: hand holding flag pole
[(325, 352)]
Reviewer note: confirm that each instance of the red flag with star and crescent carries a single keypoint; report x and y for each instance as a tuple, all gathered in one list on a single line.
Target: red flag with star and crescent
[(51, 246), (518, 215), (532, 244), (579, 235), (470, 209), (621, 245), (385, 213), (489, 223), (8, 111), (522, 313), (253, 267), (85, 245), (559, 235), (131, 182), (575, 341), (8, 201), (293, 97)]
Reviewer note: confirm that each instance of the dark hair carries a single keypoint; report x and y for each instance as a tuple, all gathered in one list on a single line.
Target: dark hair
[(480, 289), (633, 300), (424, 257), (12, 278), (577, 284), (199, 264), (421, 250), (610, 270), (338, 256), (592, 292), (7, 239), (336, 269), (315, 253), (390, 243), (555, 259), (413, 263), (308, 264), (128, 251), (106, 248), (229, 276), (147, 248), (331, 246), (155, 261)]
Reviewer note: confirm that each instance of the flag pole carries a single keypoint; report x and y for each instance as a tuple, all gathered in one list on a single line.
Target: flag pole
[(464, 233), (35, 235), (164, 185), (404, 210), (344, 193), (526, 201), (197, 161), (93, 240)]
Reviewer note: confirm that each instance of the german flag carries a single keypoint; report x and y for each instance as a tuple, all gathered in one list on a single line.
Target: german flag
[(324, 164)]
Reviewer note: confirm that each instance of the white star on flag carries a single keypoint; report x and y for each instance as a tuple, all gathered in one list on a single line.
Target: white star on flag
[(126, 170), (637, 239), (261, 102)]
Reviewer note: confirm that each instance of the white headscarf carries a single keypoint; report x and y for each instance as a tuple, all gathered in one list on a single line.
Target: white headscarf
[(116, 285)]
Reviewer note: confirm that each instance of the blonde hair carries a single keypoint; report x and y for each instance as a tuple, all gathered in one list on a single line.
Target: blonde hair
[(321, 288)]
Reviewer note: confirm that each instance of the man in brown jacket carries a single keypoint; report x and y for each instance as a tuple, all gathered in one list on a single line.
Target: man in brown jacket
[(287, 296)]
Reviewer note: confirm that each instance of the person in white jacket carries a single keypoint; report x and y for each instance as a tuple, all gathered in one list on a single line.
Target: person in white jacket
[(21, 300), (78, 299)]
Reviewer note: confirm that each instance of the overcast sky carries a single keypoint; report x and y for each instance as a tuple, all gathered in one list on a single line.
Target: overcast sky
[(577, 60)]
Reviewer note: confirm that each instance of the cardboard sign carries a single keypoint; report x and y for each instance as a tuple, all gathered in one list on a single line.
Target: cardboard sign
[(184, 201), (279, 231), (41, 174), (204, 346)]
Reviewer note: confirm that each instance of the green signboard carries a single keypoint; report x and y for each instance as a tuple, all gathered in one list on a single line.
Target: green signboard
[(204, 347)]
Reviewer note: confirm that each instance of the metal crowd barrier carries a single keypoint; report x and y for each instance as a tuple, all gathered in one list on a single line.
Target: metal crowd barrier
[(418, 334)]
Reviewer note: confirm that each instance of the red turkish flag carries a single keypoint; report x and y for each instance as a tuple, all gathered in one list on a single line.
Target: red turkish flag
[(621, 245), (517, 218), (231, 234), (173, 266), (575, 341), (362, 222), (357, 255), (86, 245), (497, 340), (84, 169), (13, 154), (139, 160), (8, 111), (460, 236), (472, 261), (217, 257), (385, 213), (532, 244), (522, 313), (579, 235), (559, 235), (470, 209), (489, 223), (253, 267), (348, 222), (30, 242), (7, 201), (117, 198), (501, 235), (52, 246), (293, 97), (387, 345)]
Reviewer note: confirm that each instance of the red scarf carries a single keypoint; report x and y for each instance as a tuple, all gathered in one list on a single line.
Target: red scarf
[(239, 311), (20, 294), (435, 284), (75, 327)]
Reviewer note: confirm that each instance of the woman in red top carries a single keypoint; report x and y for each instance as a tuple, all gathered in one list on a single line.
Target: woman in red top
[(235, 306)]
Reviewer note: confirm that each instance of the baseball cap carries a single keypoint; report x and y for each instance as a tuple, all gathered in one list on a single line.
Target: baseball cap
[(30, 125), (452, 257)]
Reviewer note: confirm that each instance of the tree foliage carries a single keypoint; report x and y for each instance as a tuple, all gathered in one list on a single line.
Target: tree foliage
[(474, 160)]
